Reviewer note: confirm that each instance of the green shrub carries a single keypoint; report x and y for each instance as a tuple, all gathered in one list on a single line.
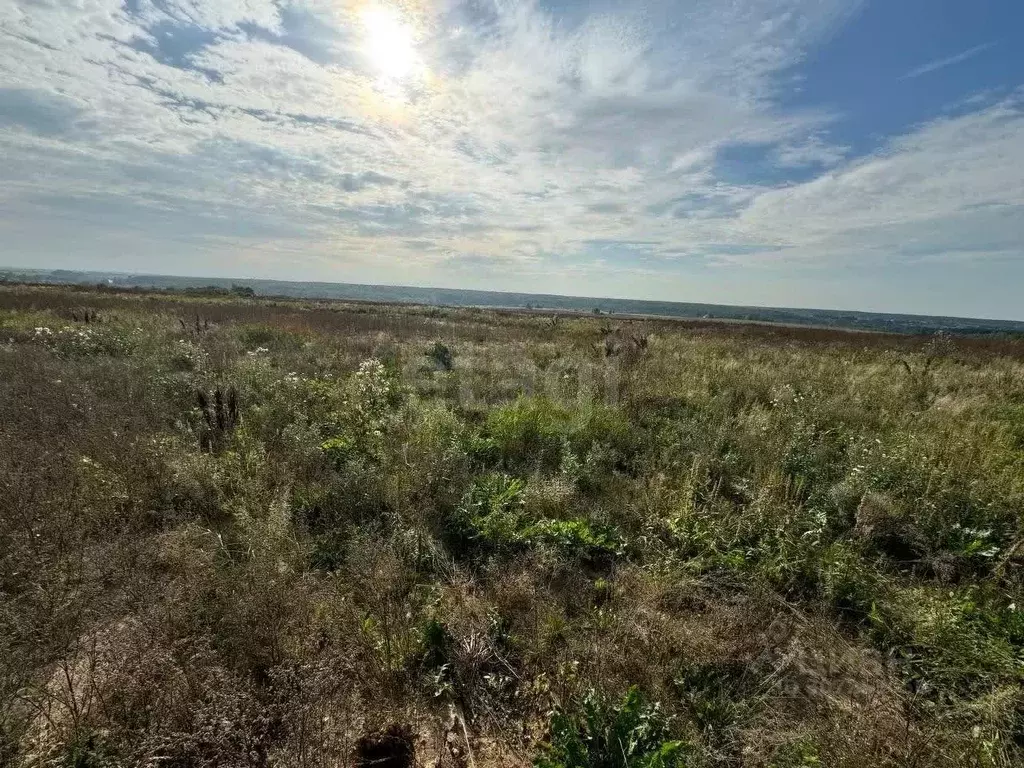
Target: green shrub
[(575, 538), (611, 734), (537, 433), (357, 417), (529, 432), (338, 450), (441, 355), (490, 517), (275, 402), (493, 519)]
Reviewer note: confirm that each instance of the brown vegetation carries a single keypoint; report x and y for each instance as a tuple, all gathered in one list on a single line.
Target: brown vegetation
[(242, 532)]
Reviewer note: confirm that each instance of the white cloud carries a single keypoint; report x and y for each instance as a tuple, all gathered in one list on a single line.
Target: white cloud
[(953, 183), (238, 126), (813, 151), (949, 61)]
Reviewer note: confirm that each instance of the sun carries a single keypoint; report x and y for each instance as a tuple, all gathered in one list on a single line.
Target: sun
[(389, 42)]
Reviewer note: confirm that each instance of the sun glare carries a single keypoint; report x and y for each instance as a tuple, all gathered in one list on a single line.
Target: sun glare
[(389, 42)]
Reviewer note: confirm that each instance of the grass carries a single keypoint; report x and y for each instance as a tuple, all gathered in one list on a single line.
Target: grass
[(239, 531)]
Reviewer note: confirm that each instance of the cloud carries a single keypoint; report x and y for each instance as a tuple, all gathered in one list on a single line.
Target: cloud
[(38, 111), (534, 123), (264, 127), (934, 66), (953, 184), (813, 151)]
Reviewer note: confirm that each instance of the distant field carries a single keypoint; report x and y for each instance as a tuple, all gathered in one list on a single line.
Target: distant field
[(245, 531), (576, 304)]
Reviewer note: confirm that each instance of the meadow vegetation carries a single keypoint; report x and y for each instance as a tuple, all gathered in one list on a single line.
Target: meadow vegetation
[(240, 532)]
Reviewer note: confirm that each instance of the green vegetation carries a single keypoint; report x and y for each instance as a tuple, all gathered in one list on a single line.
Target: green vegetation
[(240, 531), (627, 735)]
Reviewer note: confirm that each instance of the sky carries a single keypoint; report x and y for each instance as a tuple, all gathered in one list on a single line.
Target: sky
[(802, 153)]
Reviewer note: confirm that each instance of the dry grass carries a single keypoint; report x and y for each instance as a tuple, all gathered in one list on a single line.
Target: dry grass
[(247, 532)]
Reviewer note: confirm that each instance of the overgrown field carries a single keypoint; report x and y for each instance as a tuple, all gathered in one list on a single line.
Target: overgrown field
[(236, 532)]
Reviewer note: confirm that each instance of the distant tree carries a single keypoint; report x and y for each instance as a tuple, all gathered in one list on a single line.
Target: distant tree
[(243, 290)]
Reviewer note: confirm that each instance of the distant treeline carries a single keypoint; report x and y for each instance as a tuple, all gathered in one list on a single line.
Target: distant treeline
[(393, 294), (235, 290)]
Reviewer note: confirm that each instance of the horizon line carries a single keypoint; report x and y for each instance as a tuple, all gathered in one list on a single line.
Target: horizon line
[(139, 275)]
